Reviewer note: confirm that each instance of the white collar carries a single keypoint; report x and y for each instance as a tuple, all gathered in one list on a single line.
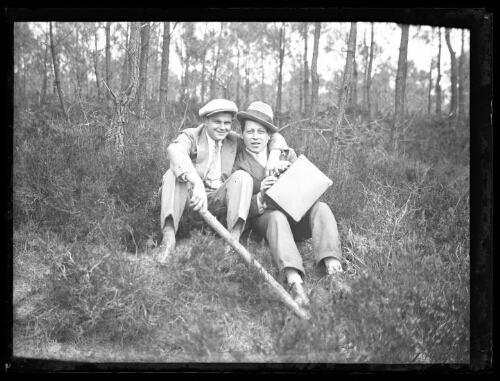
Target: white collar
[(211, 141), (261, 157)]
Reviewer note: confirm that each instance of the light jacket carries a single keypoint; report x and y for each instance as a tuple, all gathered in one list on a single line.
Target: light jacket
[(189, 151)]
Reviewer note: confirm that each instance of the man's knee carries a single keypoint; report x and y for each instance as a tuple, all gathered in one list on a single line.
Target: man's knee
[(168, 176), (277, 218), (323, 210), (242, 176)]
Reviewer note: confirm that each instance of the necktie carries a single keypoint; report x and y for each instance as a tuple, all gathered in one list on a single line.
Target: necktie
[(213, 164)]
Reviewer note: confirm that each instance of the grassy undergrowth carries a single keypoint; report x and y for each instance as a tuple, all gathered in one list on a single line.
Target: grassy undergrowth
[(86, 287)]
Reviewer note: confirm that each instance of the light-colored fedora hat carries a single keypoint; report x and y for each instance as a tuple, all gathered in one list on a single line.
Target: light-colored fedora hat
[(259, 112), (218, 105)]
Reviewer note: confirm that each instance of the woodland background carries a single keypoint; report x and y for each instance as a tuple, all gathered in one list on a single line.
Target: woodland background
[(97, 103)]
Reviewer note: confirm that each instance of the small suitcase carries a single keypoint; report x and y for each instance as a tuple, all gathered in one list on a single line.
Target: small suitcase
[(298, 188)]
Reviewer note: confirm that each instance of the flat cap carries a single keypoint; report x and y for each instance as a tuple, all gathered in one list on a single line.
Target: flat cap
[(218, 105)]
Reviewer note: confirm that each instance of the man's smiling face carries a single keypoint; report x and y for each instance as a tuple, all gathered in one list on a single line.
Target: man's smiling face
[(218, 125)]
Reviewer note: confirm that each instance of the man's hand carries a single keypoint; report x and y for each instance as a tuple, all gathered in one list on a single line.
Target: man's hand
[(267, 183), (198, 200), (283, 166), (273, 162)]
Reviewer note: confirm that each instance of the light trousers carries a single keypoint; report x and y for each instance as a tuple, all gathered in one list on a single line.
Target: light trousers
[(234, 196), (318, 223)]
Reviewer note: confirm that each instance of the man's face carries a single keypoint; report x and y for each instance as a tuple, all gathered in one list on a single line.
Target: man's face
[(218, 125), (255, 136)]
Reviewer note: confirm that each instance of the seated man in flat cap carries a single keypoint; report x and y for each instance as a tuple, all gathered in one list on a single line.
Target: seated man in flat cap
[(201, 165), (318, 223)]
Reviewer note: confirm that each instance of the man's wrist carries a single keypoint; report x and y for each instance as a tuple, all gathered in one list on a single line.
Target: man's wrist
[(260, 196)]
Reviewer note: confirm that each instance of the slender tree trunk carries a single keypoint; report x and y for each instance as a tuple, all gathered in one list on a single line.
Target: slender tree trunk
[(262, 88), (461, 93), (369, 75), (353, 93), (45, 75), (238, 74), (143, 70), (315, 86), (365, 58), (344, 90), (116, 131), (107, 69), (454, 95), (203, 79), (306, 72), (216, 66), (96, 66), (165, 60), (247, 83), (301, 91), (278, 110), (125, 59), (56, 74), (429, 102), (314, 71), (438, 79), (399, 104)]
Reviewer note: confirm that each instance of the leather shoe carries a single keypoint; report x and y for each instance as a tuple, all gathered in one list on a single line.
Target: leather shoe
[(298, 293)]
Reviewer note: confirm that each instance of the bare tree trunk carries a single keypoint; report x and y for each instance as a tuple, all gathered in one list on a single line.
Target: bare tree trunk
[(107, 69), (315, 86), (45, 75), (314, 71), (399, 104), (454, 95), (365, 58), (143, 71), (247, 83), (301, 91), (116, 131), (203, 79), (353, 93), (438, 79), (306, 72), (369, 75), (125, 60), (262, 89), (165, 60), (278, 110), (344, 90), (216, 66), (56, 74), (96, 64), (429, 103), (238, 75), (461, 93)]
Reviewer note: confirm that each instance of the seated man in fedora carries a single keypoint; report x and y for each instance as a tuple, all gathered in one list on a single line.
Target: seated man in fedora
[(200, 174), (281, 233)]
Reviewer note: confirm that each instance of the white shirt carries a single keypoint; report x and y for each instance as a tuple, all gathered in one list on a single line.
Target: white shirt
[(261, 157), (215, 180)]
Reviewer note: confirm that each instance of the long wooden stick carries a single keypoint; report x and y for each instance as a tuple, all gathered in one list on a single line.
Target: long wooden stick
[(252, 262)]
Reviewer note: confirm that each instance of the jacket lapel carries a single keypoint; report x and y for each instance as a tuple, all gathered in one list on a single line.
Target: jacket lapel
[(228, 155), (202, 154)]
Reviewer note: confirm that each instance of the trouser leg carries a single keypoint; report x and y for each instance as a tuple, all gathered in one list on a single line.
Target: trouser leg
[(274, 225), (235, 194), (174, 196), (320, 224)]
